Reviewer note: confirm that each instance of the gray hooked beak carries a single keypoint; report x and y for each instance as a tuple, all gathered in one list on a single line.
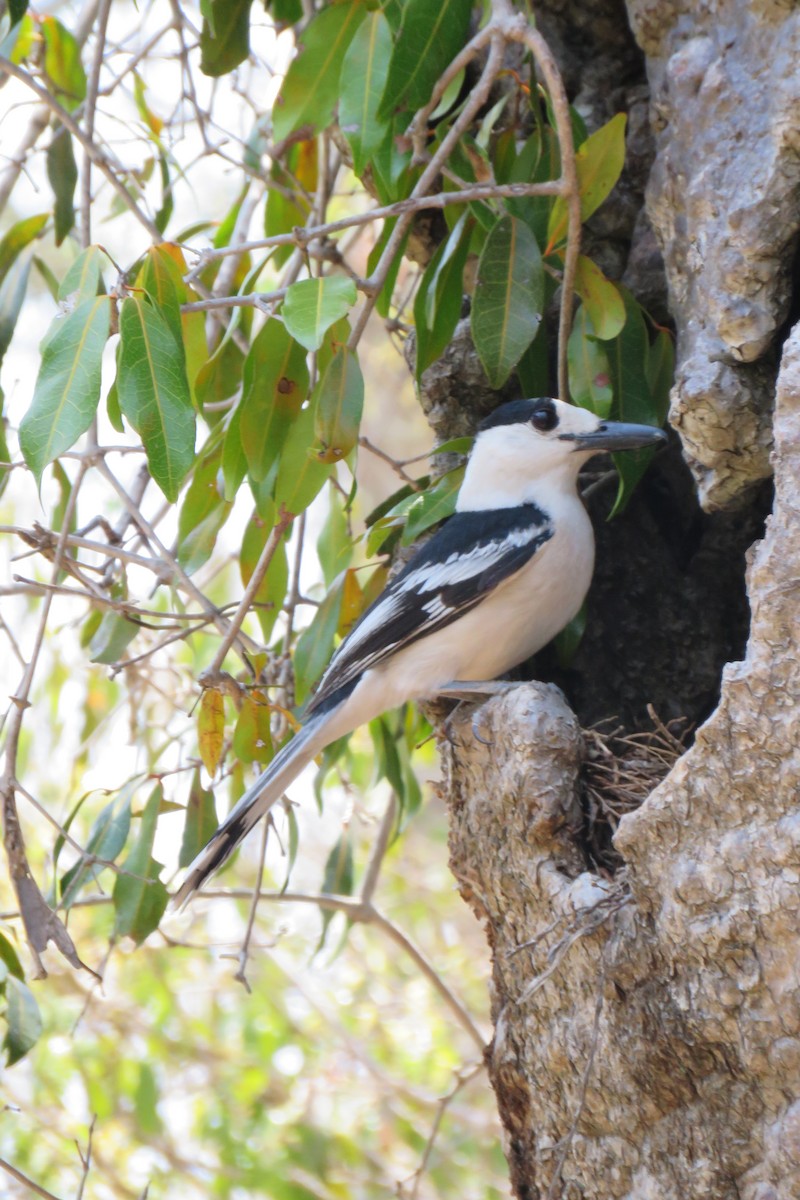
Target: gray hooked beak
[(616, 435)]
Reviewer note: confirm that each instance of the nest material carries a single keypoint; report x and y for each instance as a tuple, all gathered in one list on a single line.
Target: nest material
[(619, 772)]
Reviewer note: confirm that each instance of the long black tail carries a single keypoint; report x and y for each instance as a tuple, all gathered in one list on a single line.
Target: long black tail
[(257, 800)]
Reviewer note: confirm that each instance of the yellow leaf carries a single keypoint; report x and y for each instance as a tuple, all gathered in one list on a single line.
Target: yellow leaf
[(211, 728), (352, 602)]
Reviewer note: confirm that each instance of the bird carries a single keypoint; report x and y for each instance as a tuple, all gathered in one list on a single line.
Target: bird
[(493, 585)]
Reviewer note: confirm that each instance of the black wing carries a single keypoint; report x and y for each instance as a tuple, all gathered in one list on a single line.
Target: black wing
[(464, 560)]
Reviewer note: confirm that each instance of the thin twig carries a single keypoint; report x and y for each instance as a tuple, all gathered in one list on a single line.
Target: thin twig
[(465, 1076), (96, 155), (36, 1188), (92, 85), (246, 643), (392, 462), (256, 579), (367, 914), (86, 1159), (301, 236), (13, 839), (380, 846), (244, 952)]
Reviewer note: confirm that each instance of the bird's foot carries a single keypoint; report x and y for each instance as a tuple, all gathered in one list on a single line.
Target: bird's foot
[(467, 691), (475, 689)]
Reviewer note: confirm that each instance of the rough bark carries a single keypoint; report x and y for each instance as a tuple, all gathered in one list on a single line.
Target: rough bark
[(723, 198), (647, 1030)]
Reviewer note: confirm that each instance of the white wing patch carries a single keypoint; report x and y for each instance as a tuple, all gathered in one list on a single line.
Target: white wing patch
[(480, 551), (458, 567)]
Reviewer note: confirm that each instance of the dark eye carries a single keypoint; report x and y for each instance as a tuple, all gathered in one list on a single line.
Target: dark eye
[(544, 418)]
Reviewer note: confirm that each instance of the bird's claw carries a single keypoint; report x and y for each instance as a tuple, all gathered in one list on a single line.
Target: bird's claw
[(475, 689)]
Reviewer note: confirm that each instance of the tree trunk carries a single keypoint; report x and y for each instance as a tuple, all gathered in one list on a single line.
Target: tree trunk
[(647, 1026)]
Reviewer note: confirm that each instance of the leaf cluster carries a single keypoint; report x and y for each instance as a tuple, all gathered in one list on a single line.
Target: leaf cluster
[(237, 375)]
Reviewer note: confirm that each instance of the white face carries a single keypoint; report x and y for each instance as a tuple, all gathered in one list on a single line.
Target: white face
[(510, 462), (530, 447)]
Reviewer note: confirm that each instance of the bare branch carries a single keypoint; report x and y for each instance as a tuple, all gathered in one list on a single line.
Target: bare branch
[(90, 105), (93, 151), (381, 845), (32, 1186), (86, 1159), (260, 570)]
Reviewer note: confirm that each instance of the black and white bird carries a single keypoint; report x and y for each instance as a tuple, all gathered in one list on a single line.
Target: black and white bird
[(492, 586)]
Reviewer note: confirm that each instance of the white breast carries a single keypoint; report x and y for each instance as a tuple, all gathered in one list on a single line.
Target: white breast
[(523, 614)]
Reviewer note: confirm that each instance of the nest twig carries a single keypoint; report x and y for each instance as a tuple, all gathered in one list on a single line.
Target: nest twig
[(619, 773)]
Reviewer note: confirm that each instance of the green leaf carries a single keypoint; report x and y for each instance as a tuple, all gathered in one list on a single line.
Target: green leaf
[(12, 295), (62, 172), (17, 10), (107, 837), (140, 897), (599, 163), (62, 63), (252, 735), (225, 36), (145, 1102), (162, 217), (601, 299), (294, 844), (334, 544), (628, 357), (48, 278), (220, 376), (67, 388), (311, 86), (566, 642), (18, 237), (9, 956), (312, 305), (234, 462), (5, 455), (285, 12), (533, 369), (274, 386), (154, 393), (661, 373), (17, 42), (383, 303), (387, 760), (272, 591), (337, 880), (509, 295), (315, 644), (201, 821), (287, 204), (589, 369), (339, 405), (391, 172), (23, 1019), (437, 306), (203, 513), (363, 79), (430, 35), (113, 636), (434, 505), (300, 473), (82, 280), (160, 277)]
